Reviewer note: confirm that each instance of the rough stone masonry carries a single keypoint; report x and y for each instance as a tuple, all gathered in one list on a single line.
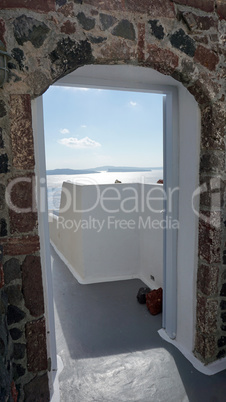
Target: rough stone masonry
[(47, 39)]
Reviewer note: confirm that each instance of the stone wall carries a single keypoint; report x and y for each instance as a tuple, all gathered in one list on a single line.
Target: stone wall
[(48, 39)]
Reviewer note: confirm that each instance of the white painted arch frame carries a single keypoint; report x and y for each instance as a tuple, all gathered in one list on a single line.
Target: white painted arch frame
[(181, 169)]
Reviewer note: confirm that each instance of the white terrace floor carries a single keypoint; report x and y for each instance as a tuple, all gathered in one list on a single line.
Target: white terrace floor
[(111, 350)]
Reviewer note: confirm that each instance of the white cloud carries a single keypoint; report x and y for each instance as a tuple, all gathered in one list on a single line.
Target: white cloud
[(64, 131), (83, 126), (84, 143), (133, 103)]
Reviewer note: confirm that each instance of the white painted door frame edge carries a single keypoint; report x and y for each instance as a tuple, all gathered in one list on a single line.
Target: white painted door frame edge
[(170, 179), (42, 206)]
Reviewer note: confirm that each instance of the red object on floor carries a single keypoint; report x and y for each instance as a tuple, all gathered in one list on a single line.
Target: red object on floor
[(154, 301), (160, 181)]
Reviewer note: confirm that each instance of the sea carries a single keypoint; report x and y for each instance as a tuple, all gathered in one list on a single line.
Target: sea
[(54, 182)]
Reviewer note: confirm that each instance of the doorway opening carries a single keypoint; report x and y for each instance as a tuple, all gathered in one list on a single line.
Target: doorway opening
[(139, 79), (115, 252)]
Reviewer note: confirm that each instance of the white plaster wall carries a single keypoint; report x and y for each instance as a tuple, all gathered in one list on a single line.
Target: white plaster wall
[(112, 243), (70, 242), (53, 229), (151, 237), (187, 260), (113, 253)]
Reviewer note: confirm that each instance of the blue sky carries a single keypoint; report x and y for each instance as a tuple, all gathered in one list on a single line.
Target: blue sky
[(87, 128)]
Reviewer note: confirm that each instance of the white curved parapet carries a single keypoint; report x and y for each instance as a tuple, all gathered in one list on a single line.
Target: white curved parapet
[(110, 232)]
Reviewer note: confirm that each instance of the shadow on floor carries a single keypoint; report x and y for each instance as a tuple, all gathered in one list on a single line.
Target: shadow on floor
[(111, 349)]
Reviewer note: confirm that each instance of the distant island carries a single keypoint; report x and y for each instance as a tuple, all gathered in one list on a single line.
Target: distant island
[(69, 171), (100, 169)]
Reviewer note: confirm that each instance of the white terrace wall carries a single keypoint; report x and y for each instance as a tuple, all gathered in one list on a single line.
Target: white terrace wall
[(110, 232)]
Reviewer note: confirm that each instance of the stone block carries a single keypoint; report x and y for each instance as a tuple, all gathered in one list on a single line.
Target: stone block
[(21, 245), (21, 132), (97, 39), (3, 304), (221, 9), (117, 50), (32, 285), (156, 29), (61, 2), (3, 340), (2, 281), (207, 280), (68, 27), (87, 23), (37, 390), (19, 351), (181, 41), (14, 294), (69, 55), (205, 90), (212, 192), (197, 22), (224, 257), (222, 341), (124, 29), (205, 346), (22, 204), (18, 55), (67, 10), (206, 314), (116, 5), (5, 379), (36, 346), (204, 5), (209, 237), (154, 8), (223, 290), (200, 93), (2, 31), (221, 354), (141, 42), (14, 315), (223, 305), (3, 227), (212, 162), (223, 317), (206, 57), (201, 39), (12, 270), (27, 29), (40, 6), (3, 111), (1, 253), (22, 222), (160, 59), (15, 333), (213, 127), (2, 197), (1, 139), (18, 371), (107, 21), (4, 163)]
